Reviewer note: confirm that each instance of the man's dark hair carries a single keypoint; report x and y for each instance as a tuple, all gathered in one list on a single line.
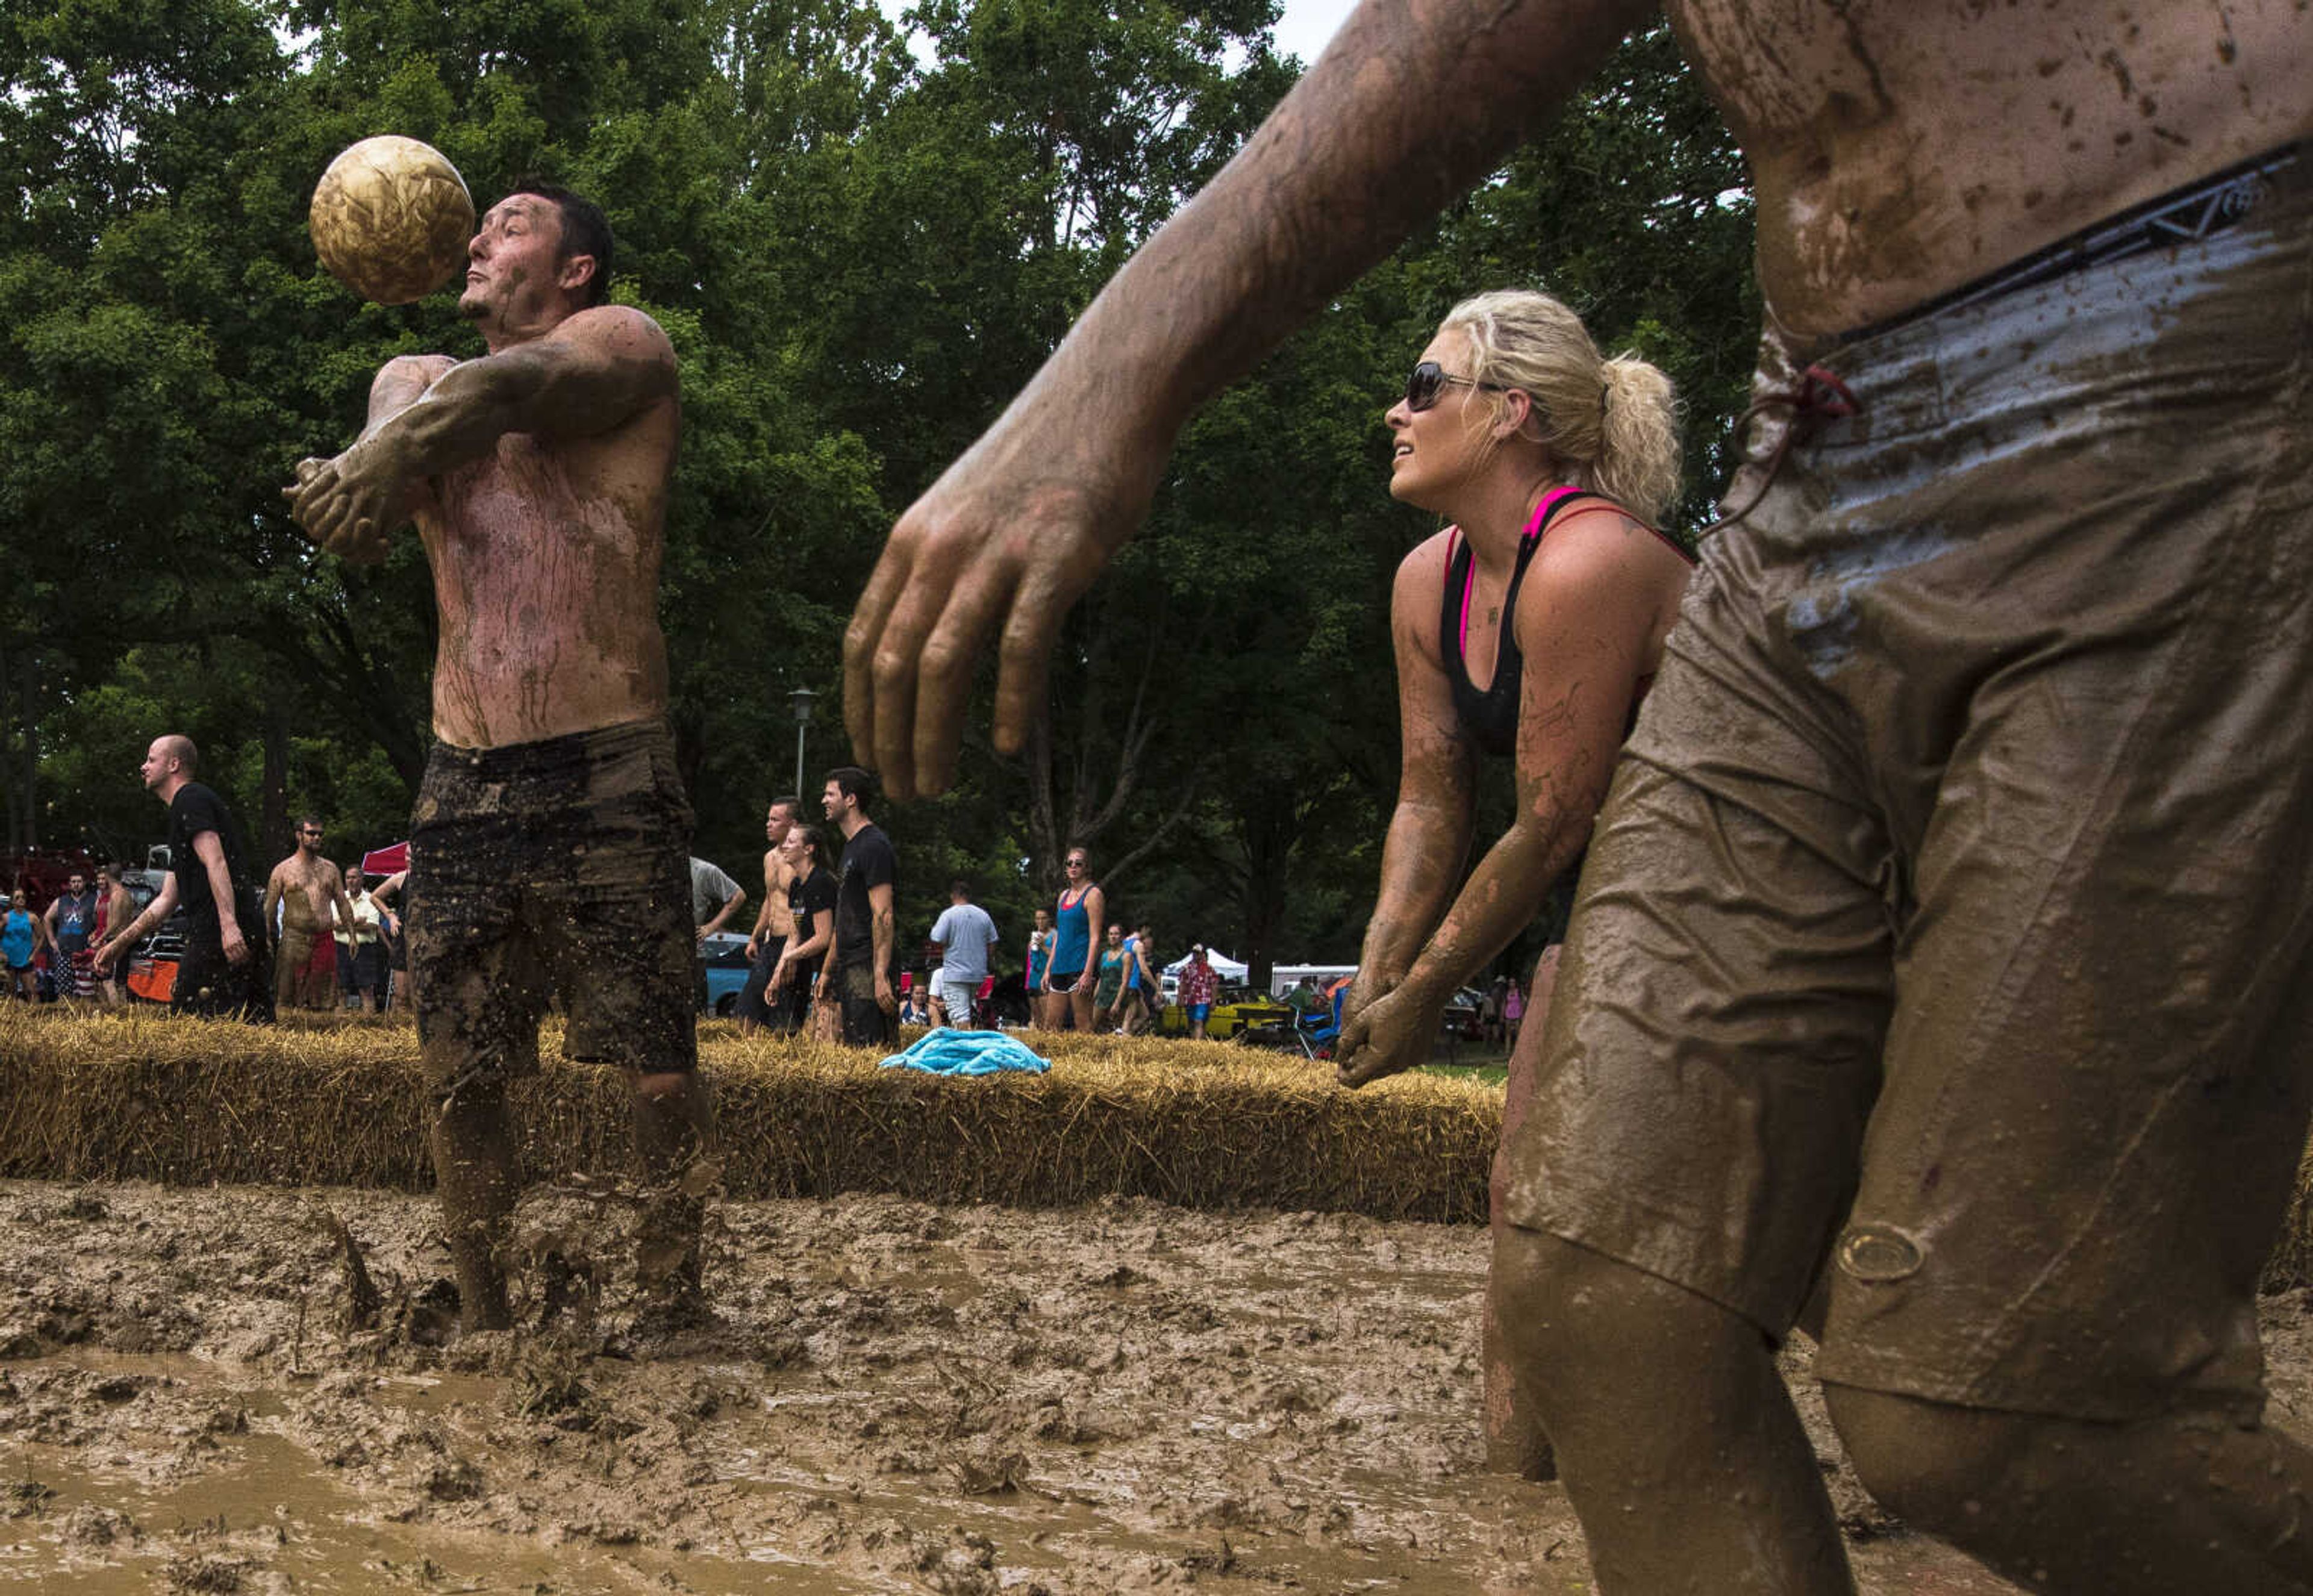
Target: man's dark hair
[(855, 783), (585, 231), (959, 888), (791, 804)]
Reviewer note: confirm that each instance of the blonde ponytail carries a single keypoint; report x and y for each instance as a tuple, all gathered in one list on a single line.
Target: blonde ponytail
[(1613, 422)]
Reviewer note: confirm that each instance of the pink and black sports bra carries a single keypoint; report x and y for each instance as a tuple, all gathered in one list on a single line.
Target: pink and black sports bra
[(1490, 716)]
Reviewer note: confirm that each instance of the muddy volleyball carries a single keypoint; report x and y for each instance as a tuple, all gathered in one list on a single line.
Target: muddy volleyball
[(392, 219)]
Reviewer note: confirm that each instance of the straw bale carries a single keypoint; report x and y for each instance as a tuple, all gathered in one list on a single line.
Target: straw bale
[(316, 1102), (322, 1101)]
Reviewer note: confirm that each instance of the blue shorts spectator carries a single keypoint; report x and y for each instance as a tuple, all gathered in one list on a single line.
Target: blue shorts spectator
[(1199, 1012)]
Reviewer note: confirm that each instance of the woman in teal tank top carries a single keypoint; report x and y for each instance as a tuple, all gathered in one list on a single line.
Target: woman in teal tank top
[(1069, 982)]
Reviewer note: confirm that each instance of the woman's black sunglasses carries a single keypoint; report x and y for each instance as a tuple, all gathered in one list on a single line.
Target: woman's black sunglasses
[(1429, 383)]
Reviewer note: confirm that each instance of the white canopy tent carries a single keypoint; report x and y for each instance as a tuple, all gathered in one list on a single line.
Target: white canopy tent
[(1229, 969)]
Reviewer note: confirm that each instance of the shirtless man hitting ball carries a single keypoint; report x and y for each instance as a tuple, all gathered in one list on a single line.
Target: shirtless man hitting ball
[(551, 835), (1946, 939)]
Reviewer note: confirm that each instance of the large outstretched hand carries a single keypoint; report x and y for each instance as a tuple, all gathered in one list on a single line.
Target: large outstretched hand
[(1004, 543)]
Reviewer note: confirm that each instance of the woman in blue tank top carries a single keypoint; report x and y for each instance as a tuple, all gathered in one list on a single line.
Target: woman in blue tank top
[(1528, 629), (1069, 981), (21, 937)]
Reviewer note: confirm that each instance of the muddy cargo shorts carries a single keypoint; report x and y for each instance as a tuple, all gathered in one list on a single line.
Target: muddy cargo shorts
[(1947, 926), (556, 866)]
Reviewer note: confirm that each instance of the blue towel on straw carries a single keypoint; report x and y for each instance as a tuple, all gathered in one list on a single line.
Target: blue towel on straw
[(945, 1052)]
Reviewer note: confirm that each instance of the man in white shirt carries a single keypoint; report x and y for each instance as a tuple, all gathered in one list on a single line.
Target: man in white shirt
[(361, 955)]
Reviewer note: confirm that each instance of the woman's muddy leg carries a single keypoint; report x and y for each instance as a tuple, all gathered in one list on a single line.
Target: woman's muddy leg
[(674, 1142), (473, 1138), (1675, 1436), (1515, 1441)]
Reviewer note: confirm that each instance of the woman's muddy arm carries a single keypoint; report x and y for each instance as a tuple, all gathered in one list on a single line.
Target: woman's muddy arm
[(1428, 843)]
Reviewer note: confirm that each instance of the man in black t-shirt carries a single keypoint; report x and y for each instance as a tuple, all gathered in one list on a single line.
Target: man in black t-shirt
[(859, 972), (225, 970)]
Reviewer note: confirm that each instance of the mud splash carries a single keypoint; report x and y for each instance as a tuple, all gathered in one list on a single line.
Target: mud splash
[(896, 1398)]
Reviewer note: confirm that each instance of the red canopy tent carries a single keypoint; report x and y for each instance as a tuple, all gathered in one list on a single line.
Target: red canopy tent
[(385, 862)]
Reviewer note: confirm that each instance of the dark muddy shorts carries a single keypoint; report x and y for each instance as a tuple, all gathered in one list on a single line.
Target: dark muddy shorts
[(559, 866), (1949, 919)]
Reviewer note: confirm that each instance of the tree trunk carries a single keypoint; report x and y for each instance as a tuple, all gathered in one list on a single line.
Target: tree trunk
[(272, 834), (24, 783)]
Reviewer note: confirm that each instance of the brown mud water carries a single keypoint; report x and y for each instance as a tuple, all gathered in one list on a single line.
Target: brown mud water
[(256, 1389), (897, 1397)]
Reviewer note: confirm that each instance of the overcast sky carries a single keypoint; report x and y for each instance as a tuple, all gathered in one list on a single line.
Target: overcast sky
[(1301, 31), (1307, 24)]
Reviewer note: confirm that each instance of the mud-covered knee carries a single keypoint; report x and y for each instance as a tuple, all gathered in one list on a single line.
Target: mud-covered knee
[(1936, 1465), (1557, 1305)]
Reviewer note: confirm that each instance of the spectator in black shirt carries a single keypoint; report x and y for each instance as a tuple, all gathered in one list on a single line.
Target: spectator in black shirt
[(811, 906), (225, 970), (857, 976)]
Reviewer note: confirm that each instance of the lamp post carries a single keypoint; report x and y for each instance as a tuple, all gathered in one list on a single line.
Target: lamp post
[(801, 698)]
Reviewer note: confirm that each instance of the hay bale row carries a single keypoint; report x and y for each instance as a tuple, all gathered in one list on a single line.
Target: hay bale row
[(138, 1096)]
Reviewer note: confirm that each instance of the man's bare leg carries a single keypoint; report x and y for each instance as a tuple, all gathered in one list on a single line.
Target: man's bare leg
[(675, 1130), (475, 1169), (286, 965), (1676, 1437), (2177, 1503), (1515, 1441)]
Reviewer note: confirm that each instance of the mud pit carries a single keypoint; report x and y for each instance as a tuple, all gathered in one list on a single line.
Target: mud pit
[(1124, 1397)]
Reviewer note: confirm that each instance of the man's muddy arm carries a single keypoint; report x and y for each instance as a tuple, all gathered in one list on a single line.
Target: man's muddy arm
[(273, 892), (209, 849), (595, 370), (163, 904), (341, 908), (1413, 102), (886, 935)]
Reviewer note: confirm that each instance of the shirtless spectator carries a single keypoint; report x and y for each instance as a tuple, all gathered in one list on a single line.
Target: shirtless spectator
[(310, 895), (551, 830), (774, 922), (114, 908), (1963, 830)]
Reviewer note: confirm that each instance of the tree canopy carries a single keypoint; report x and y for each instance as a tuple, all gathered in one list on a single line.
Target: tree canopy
[(863, 237)]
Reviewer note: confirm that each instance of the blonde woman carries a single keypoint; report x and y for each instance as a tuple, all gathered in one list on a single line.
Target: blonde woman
[(1527, 629)]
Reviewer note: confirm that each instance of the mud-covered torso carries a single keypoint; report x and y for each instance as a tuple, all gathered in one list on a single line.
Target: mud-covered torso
[(546, 562), (1901, 150), (307, 886)]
